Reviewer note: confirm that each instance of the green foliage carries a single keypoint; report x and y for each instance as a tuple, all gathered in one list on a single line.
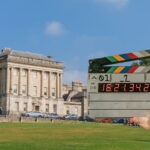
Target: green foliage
[(72, 136), (145, 62), (135, 64)]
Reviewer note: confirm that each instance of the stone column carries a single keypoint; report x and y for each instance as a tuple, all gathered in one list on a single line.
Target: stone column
[(41, 84), (19, 81), (28, 82), (49, 84), (57, 85), (60, 85), (11, 81), (8, 80), (5, 80)]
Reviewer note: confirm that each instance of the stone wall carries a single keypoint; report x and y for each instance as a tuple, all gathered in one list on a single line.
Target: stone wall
[(26, 119)]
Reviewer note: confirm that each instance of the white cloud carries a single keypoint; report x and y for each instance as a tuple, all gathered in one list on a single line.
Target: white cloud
[(55, 28), (74, 75), (118, 3)]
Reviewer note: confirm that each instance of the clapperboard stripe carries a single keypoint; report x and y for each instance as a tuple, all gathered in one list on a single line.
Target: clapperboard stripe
[(125, 70), (119, 69), (112, 59), (132, 69), (126, 57), (132, 56), (140, 69), (138, 54), (99, 65), (112, 69), (119, 58), (146, 69)]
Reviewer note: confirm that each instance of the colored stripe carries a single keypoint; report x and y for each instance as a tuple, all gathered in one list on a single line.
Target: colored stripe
[(112, 69), (132, 69), (140, 69), (112, 59), (146, 69), (119, 58), (119, 69), (125, 70), (145, 54), (138, 54), (132, 56), (125, 56)]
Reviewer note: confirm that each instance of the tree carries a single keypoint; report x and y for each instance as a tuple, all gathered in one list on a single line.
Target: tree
[(135, 64), (145, 62)]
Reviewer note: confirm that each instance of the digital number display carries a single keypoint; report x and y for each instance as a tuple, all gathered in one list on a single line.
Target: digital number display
[(124, 87)]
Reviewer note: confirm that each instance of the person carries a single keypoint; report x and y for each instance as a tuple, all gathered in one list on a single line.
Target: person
[(143, 121)]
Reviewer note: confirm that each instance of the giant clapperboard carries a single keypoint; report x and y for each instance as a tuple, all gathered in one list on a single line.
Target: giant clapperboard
[(119, 91)]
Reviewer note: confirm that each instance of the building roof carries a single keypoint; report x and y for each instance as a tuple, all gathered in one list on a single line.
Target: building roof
[(65, 96), (74, 95), (78, 95), (8, 51)]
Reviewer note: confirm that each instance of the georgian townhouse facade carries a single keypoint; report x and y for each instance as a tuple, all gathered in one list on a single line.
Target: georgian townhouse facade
[(30, 82)]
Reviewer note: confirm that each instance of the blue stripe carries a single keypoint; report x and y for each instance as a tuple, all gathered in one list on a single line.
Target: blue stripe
[(125, 56), (126, 69)]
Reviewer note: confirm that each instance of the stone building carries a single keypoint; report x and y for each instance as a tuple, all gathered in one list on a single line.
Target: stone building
[(30, 82), (75, 99)]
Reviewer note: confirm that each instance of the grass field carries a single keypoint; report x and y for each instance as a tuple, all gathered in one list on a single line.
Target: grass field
[(72, 136)]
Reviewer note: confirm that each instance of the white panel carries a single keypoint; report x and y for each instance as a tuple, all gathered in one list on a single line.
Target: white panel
[(99, 77), (128, 78), (139, 69), (148, 77), (119, 97), (117, 113), (120, 105)]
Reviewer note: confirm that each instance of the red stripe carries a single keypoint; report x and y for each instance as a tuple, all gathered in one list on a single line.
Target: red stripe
[(131, 55), (132, 69)]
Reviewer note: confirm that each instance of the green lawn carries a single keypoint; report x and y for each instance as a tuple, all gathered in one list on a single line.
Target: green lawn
[(72, 136)]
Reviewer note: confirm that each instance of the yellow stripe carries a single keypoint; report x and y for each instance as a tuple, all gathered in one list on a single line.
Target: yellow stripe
[(119, 69), (119, 58)]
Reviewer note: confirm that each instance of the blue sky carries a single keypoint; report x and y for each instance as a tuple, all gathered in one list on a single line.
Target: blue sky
[(73, 31)]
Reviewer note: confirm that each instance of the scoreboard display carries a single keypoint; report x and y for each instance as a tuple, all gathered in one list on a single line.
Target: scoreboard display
[(119, 91)]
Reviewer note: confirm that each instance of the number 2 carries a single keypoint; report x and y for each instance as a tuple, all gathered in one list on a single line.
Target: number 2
[(126, 78)]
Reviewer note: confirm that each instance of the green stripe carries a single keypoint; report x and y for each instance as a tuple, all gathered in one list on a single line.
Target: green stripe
[(112, 69), (112, 59)]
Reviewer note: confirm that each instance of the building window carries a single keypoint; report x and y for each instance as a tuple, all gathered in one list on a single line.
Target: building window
[(54, 92), (55, 108), (45, 91), (17, 106), (76, 111), (45, 75), (25, 107), (24, 89), (47, 108), (35, 74), (33, 106), (24, 72), (53, 76), (15, 88), (67, 110), (35, 90), (15, 72)]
